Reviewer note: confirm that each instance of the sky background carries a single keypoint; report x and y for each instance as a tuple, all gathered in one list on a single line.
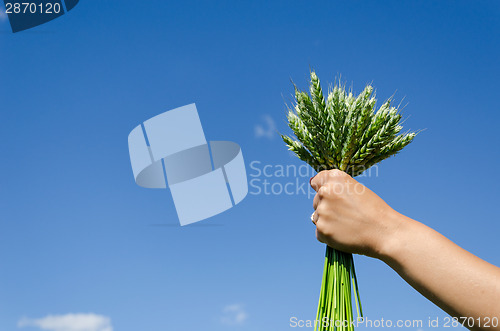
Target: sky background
[(77, 235)]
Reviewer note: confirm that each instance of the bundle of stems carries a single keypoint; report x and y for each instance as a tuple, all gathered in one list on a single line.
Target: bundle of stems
[(343, 132)]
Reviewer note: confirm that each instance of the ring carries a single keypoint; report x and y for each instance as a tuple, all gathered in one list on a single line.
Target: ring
[(312, 218)]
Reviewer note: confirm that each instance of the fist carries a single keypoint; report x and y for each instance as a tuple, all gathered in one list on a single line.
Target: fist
[(348, 216)]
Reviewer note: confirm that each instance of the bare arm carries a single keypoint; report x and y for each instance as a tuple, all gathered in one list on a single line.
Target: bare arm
[(351, 218)]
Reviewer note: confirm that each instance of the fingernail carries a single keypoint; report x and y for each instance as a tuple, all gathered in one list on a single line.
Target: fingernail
[(310, 180)]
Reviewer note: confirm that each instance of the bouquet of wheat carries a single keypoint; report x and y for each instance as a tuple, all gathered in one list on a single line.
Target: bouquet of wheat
[(342, 132)]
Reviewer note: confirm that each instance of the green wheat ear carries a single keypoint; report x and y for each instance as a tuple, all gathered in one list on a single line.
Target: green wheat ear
[(343, 132)]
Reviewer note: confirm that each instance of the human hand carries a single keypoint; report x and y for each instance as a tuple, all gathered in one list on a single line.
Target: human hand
[(350, 217)]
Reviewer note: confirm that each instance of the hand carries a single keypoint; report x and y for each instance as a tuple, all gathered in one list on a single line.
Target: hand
[(349, 217)]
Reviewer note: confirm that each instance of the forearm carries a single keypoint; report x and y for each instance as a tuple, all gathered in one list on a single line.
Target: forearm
[(351, 218), (459, 282)]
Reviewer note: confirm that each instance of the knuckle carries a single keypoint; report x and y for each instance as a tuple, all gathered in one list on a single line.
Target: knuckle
[(336, 176), (323, 191), (321, 210), (316, 201), (332, 190), (337, 173), (322, 173), (321, 225), (320, 228), (321, 178), (323, 231)]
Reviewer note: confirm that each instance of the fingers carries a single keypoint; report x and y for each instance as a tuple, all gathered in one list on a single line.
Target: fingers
[(319, 180), (314, 217), (316, 201), (324, 177), (328, 184), (321, 236), (325, 182)]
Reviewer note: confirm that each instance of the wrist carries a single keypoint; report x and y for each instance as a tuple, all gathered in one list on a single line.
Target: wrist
[(392, 236)]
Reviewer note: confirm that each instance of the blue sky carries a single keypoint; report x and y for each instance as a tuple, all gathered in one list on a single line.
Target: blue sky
[(78, 236)]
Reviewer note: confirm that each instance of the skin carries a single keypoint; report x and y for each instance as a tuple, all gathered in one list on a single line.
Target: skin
[(351, 218)]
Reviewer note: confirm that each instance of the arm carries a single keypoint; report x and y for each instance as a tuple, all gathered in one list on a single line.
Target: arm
[(351, 218)]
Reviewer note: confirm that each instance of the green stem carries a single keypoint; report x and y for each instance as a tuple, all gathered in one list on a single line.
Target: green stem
[(336, 295)]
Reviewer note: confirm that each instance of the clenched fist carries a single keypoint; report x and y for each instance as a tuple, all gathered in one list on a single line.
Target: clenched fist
[(349, 217)]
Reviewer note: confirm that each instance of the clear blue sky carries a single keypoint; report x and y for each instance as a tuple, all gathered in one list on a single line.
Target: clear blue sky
[(78, 236)]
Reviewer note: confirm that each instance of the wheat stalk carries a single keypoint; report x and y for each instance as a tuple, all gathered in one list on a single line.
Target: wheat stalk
[(342, 132)]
